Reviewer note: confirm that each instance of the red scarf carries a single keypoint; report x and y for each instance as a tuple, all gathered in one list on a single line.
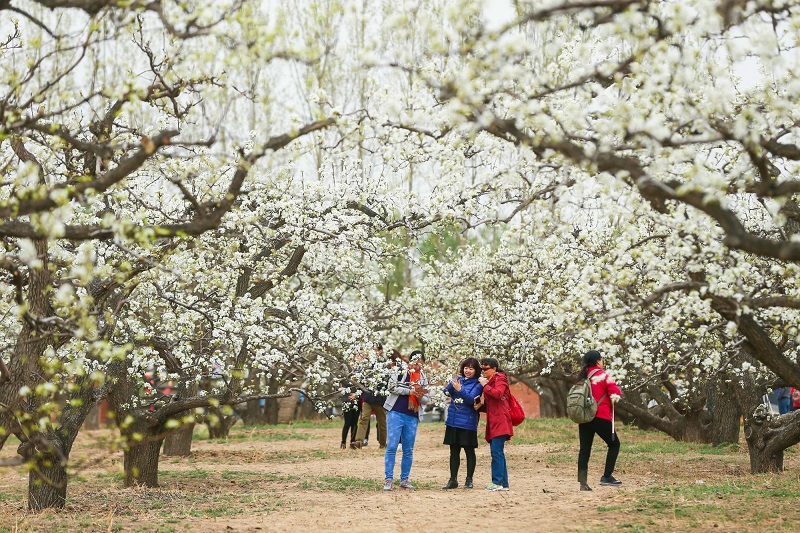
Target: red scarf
[(413, 401)]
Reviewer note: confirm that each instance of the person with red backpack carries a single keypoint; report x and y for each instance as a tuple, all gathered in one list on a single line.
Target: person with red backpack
[(606, 393), (499, 429)]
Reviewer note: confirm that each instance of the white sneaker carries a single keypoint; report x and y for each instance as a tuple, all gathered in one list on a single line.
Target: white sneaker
[(494, 488)]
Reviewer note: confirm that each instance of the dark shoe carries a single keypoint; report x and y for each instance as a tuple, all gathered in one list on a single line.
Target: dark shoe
[(343, 445), (610, 481), (452, 484), (365, 443), (468, 483), (585, 486), (355, 445)]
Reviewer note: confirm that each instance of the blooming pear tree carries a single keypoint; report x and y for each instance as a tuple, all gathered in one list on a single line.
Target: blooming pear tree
[(690, 106), (115, 142)]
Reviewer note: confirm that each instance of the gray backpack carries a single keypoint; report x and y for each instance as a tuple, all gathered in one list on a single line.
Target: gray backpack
[(581, 407)]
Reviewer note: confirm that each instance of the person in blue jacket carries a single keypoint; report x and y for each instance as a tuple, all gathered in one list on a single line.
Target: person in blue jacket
[(461, 427)]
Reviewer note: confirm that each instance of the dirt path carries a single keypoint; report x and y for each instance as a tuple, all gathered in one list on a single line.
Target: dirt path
[(543, 495)]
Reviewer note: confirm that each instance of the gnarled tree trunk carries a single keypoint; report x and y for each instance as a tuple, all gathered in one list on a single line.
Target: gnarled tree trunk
[(47, 480), (759, 430), (47, 483), (179, 442), (141, 462), (726, 413)]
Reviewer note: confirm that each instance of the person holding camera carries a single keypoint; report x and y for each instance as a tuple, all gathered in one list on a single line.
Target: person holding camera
[(408, 394), (461, 427)]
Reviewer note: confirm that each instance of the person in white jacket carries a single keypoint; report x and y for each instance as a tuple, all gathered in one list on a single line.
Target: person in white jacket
[(408, 394)]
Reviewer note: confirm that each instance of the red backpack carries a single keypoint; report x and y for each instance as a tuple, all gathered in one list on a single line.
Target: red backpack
[(515, 409)]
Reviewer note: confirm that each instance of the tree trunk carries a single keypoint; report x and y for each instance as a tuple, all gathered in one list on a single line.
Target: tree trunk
[(271, 404), (696, 427), (219, 425), (252, 414), (47, 480), (726, 413), (93, 419), (25, 363), (179, 442), (47, 484), (141, 462), (142, 432), (552, 396), (758, 430)]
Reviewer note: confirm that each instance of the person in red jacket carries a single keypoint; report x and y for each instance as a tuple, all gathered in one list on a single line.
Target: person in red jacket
[(606, 392), (498, 419)]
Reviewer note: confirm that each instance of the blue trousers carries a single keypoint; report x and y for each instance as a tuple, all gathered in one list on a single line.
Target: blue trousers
[(784, 405), (499, 468), (399, 425)]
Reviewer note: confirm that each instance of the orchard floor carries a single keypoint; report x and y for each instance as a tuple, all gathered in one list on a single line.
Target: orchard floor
[(296, 478)]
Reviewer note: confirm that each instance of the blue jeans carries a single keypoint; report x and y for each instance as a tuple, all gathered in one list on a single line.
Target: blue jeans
[(784, 405), (499, 469), (405, 426)]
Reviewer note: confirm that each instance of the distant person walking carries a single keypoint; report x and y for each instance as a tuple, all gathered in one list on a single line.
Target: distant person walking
[(461, 427), (351, 410), (784, 395), (495, 401), (408, 394), (606, 392), (795, 399), (373, 399)]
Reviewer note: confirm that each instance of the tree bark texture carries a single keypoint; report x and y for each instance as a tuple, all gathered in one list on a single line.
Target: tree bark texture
[(179, 442), (141, 462), (47, 484), (552, 396), (726, 413), (759, 430)]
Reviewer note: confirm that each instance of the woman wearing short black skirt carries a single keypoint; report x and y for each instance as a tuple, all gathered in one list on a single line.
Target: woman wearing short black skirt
[(461, 427)]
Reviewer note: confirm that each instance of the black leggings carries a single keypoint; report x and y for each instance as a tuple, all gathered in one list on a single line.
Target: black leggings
[(586, 433), (455, 460), (351, 417)]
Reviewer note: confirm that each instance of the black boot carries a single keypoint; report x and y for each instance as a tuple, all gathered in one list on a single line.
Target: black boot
[(452, 484), (468, 483), (583, 479)]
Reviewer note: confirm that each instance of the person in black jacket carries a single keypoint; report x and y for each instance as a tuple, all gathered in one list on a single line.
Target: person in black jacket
[(351, 411), (374, 398)]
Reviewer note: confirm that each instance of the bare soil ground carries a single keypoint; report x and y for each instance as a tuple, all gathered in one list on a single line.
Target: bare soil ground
[(297, 479)]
